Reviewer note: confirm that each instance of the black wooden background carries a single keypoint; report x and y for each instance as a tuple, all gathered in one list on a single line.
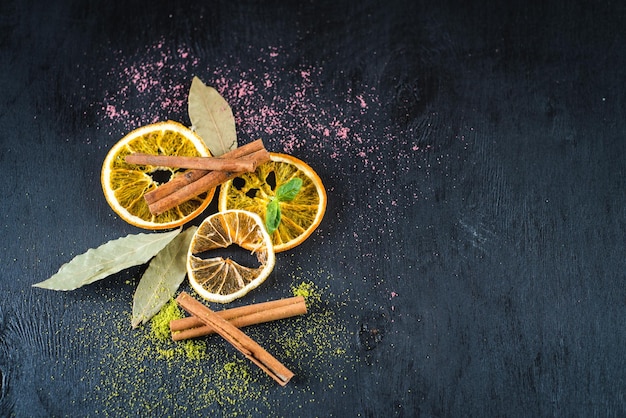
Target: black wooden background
[(471, 260)]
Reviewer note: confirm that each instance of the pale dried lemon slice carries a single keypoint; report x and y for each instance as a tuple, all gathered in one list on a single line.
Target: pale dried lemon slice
[(223, 280)]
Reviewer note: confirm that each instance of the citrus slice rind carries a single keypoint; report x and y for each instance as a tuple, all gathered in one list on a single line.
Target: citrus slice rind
[(253, 191), (223, 280), (125, 184)]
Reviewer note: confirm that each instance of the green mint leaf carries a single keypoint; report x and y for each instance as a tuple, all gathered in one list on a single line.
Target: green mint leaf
[(272, 216), (288, 191), (285, 193)]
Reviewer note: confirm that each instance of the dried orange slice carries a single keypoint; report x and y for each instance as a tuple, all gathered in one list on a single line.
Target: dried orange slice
[(254, 191), (125, 184), (222, 280)]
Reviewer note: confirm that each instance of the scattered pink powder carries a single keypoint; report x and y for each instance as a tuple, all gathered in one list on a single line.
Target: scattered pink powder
[(152, 85), (341, 131)]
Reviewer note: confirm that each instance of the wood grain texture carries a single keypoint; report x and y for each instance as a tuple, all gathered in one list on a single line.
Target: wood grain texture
[(472, 248)]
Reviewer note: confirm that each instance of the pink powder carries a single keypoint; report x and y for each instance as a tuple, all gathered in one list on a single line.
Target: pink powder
[(341, 129), (342, 133), (141, 77), (113, 113), (362, 101), (246, 88)]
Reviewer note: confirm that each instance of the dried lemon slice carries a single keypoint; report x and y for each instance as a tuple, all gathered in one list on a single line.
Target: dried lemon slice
[(223, 280), (125, 184)]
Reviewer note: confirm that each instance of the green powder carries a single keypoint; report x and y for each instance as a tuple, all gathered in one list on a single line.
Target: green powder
[(160, 334), (160, 323), (206, 375), (238, 386), (194, 349), (317, 338), (309, 292)]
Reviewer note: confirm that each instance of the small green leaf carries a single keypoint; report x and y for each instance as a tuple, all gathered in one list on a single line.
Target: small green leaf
[(272, 216), (162, 278), (285, 193), (109, 258), (288, 191)]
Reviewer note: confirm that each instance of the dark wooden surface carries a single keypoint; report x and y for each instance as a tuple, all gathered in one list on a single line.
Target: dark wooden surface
[(471, 260)]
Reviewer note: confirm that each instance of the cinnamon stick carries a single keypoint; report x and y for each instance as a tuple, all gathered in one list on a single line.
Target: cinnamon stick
[(246, 345), (192, 327), (191, 176), (180, 180), (207, 182), (202, 163)]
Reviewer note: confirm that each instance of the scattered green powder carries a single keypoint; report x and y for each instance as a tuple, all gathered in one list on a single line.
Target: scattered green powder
[(309, 292), (239, 376), (145, 372), (317, 337)]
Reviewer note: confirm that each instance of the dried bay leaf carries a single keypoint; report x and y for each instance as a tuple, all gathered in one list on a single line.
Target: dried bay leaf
[(162, 278), (212, 118), (109, 258)]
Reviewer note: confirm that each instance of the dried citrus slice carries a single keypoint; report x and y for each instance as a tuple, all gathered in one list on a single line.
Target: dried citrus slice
[(224, 280), (125, 184), (253, 192)]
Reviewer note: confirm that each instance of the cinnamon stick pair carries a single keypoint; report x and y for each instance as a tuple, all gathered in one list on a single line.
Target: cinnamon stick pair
[(247, 346), (258, 313), (206, 173)]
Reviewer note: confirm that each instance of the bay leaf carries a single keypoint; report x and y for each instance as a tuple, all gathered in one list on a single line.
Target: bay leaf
[(212, 118), (162, 278), (109, 258)]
